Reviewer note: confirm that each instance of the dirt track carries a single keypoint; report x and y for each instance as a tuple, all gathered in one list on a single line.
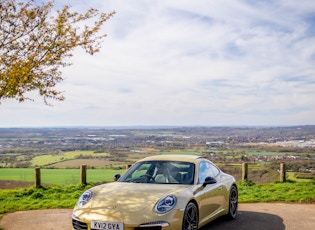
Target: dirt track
[(255, 216)]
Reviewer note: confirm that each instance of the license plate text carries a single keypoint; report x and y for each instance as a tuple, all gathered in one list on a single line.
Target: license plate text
[(107, 225)]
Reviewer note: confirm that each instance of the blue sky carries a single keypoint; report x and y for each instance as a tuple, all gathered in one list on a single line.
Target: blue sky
[(220, 62)]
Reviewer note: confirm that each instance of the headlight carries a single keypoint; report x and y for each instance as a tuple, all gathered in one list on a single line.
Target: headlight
[(165, 204), (84, 198)]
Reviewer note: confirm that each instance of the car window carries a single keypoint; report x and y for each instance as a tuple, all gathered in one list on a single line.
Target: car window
[(160, 172), (206, 169), (141, 170)]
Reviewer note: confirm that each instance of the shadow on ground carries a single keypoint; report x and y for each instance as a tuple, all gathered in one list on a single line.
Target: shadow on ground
[(248, 220)]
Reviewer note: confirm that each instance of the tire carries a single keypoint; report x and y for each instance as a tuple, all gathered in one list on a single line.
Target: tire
[(233, 203), (190, 219)]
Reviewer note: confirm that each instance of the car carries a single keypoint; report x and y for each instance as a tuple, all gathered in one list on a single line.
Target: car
[(159, 192)]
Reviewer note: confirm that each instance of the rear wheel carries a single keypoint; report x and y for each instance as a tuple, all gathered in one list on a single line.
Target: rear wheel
[(190, 220), (233, 203)]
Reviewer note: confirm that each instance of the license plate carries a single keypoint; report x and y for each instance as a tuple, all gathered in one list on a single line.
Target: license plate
[(107, 225)]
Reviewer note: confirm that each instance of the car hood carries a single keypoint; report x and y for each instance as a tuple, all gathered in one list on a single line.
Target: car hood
[(133, 197)]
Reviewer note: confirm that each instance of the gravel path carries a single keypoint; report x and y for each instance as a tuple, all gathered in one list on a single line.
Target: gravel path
[(251, 216)]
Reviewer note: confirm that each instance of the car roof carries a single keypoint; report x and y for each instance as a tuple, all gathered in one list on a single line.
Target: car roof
[(172, 157)]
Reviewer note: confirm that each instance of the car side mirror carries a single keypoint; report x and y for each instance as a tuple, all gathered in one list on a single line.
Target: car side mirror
[(116, 177), (209, 180)]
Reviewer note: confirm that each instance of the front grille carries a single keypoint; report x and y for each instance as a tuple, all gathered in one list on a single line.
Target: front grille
[(78, 225), (156, 225), (149, 228)]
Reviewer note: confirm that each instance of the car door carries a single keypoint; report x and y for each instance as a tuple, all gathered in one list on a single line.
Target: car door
[(210, 195)]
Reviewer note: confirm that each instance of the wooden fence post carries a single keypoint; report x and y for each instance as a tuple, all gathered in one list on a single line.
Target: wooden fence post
[(282, 172), (244, 171), (37, 177), (83, 174)]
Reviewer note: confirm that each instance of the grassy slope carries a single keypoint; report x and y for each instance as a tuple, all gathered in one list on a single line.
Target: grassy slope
[(39, 198), (66, 196)]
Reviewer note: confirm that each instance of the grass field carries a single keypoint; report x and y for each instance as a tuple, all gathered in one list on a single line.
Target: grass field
[(43, 160), (66, 196), (94, 163), (290, 191), (58, 176), (63, 176)]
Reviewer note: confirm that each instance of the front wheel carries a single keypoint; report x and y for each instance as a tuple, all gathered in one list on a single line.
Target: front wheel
[(233, 203), (190, 220)]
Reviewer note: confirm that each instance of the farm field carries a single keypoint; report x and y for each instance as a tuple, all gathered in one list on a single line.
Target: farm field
[(49, 159), (93, 163), (68, 176), (58, 176), (60, 152)]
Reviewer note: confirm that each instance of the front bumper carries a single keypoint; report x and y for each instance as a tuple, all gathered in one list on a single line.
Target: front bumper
[(171, 221), (78, 225)]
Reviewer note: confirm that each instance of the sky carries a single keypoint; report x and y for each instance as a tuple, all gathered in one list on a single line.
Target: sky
[(187, 63)]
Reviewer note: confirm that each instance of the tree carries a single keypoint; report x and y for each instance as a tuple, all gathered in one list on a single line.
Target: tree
[(36, 42)]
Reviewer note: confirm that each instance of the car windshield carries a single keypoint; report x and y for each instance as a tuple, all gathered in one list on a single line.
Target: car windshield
[(160, 172)]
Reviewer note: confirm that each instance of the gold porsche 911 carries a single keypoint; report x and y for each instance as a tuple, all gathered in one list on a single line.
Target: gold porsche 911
[(159, 192)]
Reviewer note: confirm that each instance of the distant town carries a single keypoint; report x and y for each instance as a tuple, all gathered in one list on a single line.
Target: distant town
[(164, 138), (139, 139), (109, 146)]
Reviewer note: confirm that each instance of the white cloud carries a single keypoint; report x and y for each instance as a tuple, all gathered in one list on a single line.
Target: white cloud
[(189, 63)]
